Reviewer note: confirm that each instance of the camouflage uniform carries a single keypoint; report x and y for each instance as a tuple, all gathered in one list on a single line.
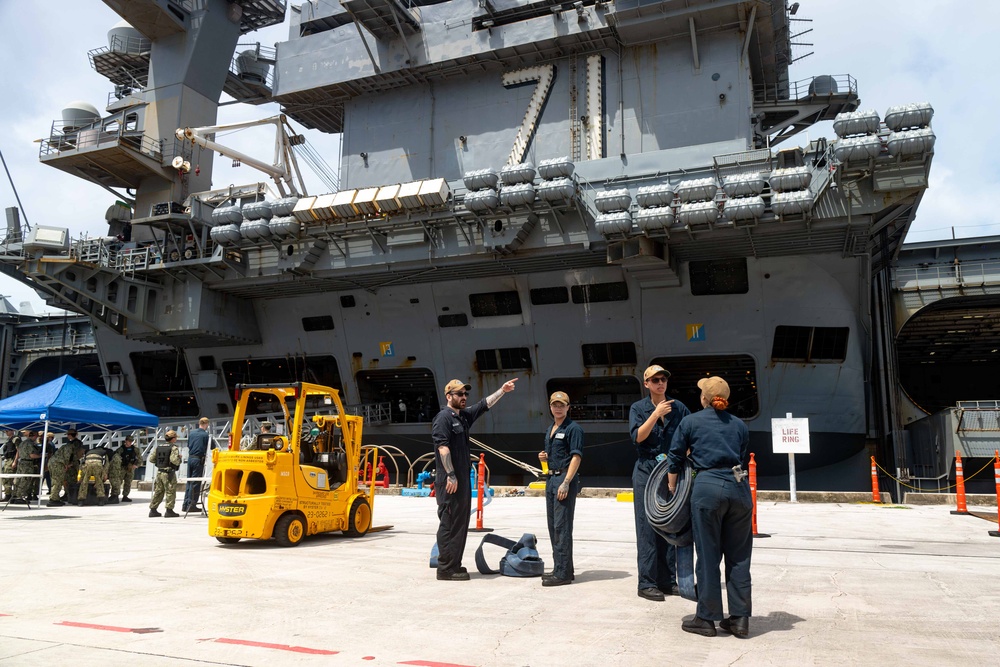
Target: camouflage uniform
[(73, 471), (165, 484), (9, 452), (130, 457), (59, 466), (115, 474), (28, 454), (94, 464)]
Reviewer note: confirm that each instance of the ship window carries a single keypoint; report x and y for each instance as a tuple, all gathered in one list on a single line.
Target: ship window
[(131, 122), (609, 354), (455, 320), (494, 304), (720, 276), (206, 363), (504, 359), (810, 344), (114, 368), (597, 292), (347, 301), (317, 323), (544, 296), (165, 383), (397, 395), (133, 294), (598, 398), (319, 369), (739, 370)]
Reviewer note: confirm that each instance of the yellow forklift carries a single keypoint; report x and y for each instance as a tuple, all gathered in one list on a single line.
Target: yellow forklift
[(302, 482)]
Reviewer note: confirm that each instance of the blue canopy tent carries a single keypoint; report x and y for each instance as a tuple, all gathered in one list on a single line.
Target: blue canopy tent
[(66, 403)]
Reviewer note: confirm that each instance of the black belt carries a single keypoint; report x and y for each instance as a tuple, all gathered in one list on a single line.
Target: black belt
[(553, 473)]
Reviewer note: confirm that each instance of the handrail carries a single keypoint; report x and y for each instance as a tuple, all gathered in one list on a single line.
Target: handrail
[(939, 276), (804, 90), (65, 137)]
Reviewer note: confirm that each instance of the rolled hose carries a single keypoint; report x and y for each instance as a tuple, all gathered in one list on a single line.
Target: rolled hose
[(670, 514)]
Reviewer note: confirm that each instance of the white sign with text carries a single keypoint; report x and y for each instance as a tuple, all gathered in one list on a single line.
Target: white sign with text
[(790, 436)]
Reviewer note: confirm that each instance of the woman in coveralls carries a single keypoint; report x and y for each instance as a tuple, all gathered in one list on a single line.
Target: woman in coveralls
[(717, 443)]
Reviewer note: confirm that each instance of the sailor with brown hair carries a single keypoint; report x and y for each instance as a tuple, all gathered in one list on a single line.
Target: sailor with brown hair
[(717, 444), (652, 422)]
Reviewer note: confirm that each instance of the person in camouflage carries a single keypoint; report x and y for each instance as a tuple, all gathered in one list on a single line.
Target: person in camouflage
[(59, 468), (95, 464), (123, 462), (73, 472), (9, 451), (27, 463), (167, 459), (115, 475)]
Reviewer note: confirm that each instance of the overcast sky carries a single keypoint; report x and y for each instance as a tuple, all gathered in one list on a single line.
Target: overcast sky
[(899, 51)]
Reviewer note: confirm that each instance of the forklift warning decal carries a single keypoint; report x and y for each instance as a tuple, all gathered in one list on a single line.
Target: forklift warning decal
[(232, 509)]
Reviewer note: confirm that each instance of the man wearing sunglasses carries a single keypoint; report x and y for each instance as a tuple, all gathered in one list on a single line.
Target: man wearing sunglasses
[(452, 488), (652, 422)]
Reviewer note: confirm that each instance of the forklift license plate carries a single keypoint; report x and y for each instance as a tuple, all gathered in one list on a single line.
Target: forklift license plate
[(231, 509)]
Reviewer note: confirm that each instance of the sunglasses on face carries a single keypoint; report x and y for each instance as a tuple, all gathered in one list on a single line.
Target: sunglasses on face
[(463, 394), (657, 380)]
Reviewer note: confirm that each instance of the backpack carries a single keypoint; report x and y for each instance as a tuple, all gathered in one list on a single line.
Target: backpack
[(521, 559)]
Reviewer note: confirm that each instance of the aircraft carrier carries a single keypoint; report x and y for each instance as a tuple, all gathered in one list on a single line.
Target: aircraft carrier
[(562, 192)]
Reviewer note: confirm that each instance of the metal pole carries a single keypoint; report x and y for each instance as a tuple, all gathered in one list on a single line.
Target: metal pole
[(791, 472)]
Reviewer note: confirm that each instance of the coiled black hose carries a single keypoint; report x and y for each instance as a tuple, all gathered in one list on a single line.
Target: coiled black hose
[(670, 515)]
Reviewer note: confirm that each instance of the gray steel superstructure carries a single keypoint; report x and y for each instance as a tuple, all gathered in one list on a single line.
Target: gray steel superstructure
[(563, 192)]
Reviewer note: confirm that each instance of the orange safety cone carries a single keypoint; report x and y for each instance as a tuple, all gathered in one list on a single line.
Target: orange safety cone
[(480, 492), (876, 498), (753, 497), (959, 485), (996, 478)]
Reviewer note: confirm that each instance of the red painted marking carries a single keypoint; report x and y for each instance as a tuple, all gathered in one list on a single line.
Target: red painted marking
[(92, 626), (429, 663), (277, 647), (6, 614), (368, 657)]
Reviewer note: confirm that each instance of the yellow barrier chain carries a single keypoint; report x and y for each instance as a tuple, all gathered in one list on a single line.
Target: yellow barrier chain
[(943, 488)]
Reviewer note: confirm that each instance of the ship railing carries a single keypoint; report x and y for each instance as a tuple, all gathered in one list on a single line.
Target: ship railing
[(263, 54), (94, 251), (374, 413), (601, 412), (72, 341), (65, 136), (942, 276), (811, 89)]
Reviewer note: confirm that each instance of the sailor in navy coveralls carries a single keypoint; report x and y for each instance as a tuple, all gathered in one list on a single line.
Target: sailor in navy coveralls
[(718, 444), (450, 435), (652, 422), (563, 452)]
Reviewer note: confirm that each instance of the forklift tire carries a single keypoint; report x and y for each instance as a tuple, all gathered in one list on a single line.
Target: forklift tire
[(359, 520), (228, 540), (289, 530)]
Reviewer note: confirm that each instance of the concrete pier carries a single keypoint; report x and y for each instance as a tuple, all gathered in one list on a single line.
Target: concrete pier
[(834, 584)]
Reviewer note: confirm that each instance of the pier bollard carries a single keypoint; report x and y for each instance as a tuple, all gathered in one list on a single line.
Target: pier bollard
[(996, 478), (480, 492), (876, 498), (959, 486), (753, 497)]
